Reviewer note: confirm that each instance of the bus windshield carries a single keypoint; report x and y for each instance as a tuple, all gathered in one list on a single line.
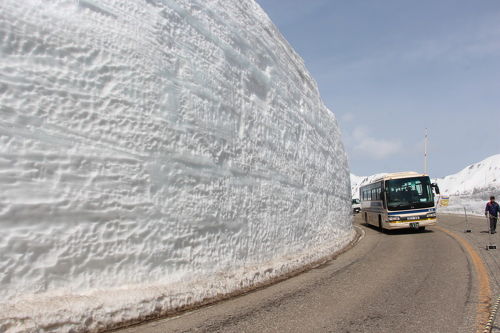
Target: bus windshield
[(409, 193)]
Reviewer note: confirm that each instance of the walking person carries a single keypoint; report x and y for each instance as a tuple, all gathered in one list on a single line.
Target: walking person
[(492, 208)]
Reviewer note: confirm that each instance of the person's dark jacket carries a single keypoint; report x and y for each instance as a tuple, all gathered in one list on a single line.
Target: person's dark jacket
[(492, 208)]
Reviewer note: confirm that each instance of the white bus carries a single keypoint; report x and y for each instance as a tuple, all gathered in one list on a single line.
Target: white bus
[(399, 200)]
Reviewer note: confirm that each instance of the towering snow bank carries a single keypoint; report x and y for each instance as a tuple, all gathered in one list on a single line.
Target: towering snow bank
[(471, 187), (155, 153)]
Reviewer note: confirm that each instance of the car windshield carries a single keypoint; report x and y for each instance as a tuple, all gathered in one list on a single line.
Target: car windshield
[(355, 201), (409, 193)]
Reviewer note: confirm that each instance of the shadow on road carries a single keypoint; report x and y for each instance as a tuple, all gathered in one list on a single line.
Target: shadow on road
[(398, 231)]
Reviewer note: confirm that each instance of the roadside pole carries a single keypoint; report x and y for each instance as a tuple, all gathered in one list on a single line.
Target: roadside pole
[(466, 229)]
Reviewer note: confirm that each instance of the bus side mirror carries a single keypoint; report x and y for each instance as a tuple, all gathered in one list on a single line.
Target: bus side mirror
[(435, 187)]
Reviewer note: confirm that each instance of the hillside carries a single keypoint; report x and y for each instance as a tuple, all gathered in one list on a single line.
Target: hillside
[(475, 179), (358, 181), (471, 187)]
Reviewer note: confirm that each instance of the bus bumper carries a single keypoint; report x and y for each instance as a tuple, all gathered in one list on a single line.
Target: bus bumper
[(406, 224)]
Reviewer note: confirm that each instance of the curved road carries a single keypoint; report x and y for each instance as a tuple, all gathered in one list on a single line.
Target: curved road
[(390, 282)]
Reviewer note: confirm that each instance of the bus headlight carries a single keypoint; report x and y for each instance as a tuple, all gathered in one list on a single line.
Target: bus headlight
[(431, 215), (393, 218)]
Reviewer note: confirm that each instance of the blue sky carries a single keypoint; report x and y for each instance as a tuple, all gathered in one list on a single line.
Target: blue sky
[(388, 69)]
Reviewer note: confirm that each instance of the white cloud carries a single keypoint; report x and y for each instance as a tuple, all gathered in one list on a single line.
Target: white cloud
[(376, 148), (348, 117)]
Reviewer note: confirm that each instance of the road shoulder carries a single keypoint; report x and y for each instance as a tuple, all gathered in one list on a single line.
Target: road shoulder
[(476, 242)]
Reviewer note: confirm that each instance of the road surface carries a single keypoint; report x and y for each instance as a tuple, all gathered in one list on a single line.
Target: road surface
[(401, 281)]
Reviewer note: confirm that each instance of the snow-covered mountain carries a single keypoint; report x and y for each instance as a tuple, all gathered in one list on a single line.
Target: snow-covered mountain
[(358, 181), (155, 154), (478, 178), (470, 188)]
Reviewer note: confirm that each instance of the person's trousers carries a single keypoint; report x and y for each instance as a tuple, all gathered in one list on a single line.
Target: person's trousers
[(493, 223)]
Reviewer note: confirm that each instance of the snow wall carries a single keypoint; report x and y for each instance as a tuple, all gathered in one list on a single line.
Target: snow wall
[(154, 154)]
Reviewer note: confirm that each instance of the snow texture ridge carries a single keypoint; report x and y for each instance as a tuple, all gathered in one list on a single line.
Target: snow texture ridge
[(153, 154)]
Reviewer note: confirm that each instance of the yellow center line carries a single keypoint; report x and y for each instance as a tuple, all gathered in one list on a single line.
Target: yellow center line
[(484, 298)]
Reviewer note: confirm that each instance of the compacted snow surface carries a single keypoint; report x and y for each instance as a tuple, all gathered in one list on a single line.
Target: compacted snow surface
[(154, 154)]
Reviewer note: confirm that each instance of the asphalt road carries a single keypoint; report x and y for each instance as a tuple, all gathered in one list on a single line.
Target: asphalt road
[(401, 281)]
